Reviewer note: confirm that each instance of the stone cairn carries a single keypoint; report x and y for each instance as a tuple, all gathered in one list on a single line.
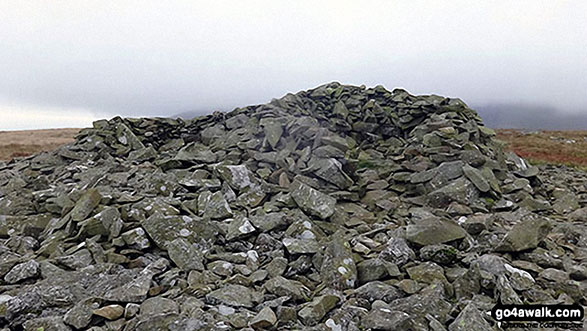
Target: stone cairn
[(336, 208)]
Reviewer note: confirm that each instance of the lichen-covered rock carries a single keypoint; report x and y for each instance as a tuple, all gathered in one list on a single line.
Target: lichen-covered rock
[(377, 290), (136, 238), (51, 323), (383, 318), (134, 291), (110, 312), (301, 246), (266, 318), (441, 254), (338, 268), (80, 315), (164, 229), (85, 205), (22, 271), (157, 306), (185, 255), (195, 152), (476, 177), (470, 318), (238, 177), (460, 190), (314, 311), (427, 272), (233, 295), (239, 227), (432, 231), (285, 287), (397, 251), (214, 205), (525, 235), (312, 201), (376, 269)]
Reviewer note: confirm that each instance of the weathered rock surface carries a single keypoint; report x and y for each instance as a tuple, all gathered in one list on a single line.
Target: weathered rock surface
[(336, 208)]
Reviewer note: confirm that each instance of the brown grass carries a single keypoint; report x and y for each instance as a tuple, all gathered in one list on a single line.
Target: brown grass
[(23, 143), (555, 147)]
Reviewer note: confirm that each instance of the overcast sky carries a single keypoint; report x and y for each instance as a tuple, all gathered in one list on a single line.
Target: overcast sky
[(66, 63)]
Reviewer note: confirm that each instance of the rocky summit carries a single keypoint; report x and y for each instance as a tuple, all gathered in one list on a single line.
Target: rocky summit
[(337, 208)]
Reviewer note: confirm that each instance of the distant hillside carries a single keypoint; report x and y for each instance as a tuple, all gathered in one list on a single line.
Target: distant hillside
[(23, 143), (534, 117), (545, 146)]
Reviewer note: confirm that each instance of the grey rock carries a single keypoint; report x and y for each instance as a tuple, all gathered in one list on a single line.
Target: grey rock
[(433, 231), (238, 177), (85, 205), (338, 267), (442, 254), (525, 235), (377, 290), (214, 205), (566, 204), (221, 268), (110, 312), (277, 266), (185, 255), (505, 292), (579, 215), (195, 152), (477, 178), (460, 190), (22, 271), (80, 315), (52, 323), (313, 312), (239, 227), (134, 291), (77, 260), (397, 251), (273, 131), (233, 295), (312, 201), (427, 272), (157, 306), (266, 318), (430, 300), (110, 220), (331, 171), (284, 287), (269, 221), (470, 318), (376, 269), (386, 319), (131, 310), (164, 229), (136, 238), (301, 246)]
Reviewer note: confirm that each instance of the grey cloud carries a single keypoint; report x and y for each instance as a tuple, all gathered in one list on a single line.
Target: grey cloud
[(149, 58)]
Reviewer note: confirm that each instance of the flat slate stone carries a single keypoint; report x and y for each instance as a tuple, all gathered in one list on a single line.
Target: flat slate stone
[(433, 231), (312, 201)]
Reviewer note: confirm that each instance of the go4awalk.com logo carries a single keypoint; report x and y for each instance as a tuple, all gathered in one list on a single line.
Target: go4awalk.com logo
[(539, 316)]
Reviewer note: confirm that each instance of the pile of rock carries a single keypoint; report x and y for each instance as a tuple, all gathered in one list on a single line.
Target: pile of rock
[(337, 208)]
